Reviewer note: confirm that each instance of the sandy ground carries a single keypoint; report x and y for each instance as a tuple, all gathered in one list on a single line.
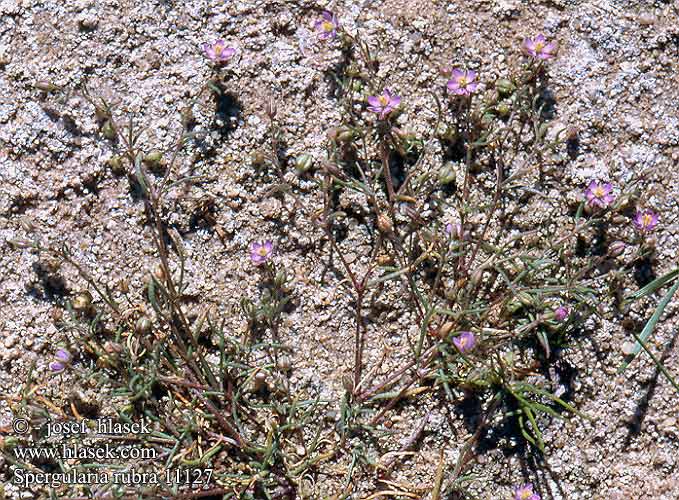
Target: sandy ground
[(615, 79)]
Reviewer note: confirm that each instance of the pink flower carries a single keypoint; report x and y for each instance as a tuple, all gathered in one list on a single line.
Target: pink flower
[(462, 82), (561, 313), (526, 492), (384, 104), (599, 195), (539, 48), (62, 359), (645, 220), (261, 252), (465, 342), (326, 27), (217, 51)]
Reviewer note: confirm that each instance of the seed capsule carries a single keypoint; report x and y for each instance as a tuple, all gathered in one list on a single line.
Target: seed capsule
[(259, 382), (258, 159), (284, 363), (384, 224), (345, 135), (445, 329), (143, 326), (82, 302), (116, 165)]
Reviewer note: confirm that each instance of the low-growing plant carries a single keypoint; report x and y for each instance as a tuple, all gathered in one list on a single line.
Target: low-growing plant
[(446, 227)]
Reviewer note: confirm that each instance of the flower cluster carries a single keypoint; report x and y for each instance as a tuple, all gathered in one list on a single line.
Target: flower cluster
[(600, 196), (62, 360)]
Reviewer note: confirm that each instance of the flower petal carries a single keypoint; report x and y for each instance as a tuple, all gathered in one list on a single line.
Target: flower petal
[(374, 101), (457, 74)]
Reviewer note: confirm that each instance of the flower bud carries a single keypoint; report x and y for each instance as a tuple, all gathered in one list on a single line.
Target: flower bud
[(504, 86), (108, 131), (270, 108), (63, 356), (525, 298), (159, 272), (45, 86), (572, 133), (20, 243), (456, 231), (101, 114), (284, 363), (332, 169), (348, 383), (188, 119), (153, 158), (477, 276), (62, 360), (447, 174), (112, 347), (303, 163), (617, 248), (561, 313), (115, 163), (280, 278), (503, 109)]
